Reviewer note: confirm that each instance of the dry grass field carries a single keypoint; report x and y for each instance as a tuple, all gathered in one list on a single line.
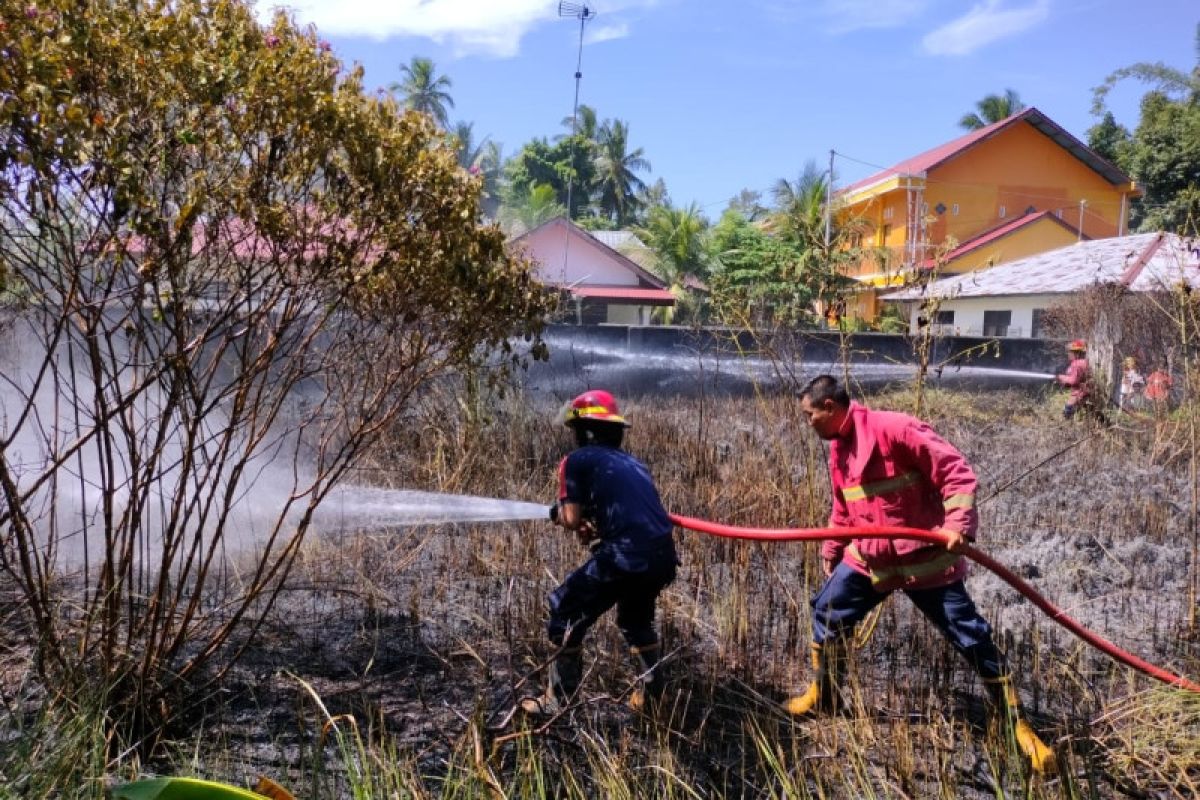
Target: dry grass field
[(393, 662)]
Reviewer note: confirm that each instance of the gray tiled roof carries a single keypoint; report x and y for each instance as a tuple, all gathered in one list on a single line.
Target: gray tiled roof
[(618, 240), (1140, 261)]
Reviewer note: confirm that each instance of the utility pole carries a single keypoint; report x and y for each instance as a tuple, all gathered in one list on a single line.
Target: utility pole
[(583, 13), (1082, 205)]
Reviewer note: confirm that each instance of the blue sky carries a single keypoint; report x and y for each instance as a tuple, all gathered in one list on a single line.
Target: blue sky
[(730, 95)]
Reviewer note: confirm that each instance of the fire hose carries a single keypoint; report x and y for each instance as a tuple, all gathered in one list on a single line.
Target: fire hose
[(897, 532)]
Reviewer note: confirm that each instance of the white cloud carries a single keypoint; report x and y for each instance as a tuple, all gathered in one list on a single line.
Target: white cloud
[(982, 25), (606, 33), (844, 16), (491, 27)]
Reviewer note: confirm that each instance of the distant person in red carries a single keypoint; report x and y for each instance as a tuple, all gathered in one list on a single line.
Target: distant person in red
[(1077, 378), (1158, 389)]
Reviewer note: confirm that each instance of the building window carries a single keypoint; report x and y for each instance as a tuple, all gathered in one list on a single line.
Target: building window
[(944, 318), (1058, 213), (954, 210), (887, 213), (995, 323), (1003, 212), (1038, 328)]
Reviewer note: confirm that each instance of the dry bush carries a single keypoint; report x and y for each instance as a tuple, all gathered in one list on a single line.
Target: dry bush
[(225, 270)]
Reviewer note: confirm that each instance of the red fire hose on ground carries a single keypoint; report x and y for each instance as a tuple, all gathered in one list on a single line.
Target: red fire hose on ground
[(894, 532)]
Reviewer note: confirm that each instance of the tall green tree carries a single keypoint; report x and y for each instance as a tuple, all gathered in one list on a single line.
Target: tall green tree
[(616, 184), (758, 279), (1111, 141), (1164, 152), (992, 108), (423, 90), (567, 162), (652, 195), (748, 203)]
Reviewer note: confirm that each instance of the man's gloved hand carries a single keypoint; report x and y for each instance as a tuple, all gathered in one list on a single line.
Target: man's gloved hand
[(554, 513)]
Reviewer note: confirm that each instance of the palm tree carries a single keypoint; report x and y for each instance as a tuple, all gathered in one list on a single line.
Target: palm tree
[(677, 237), (799, 214), (469, 152), (617, 185), (524, 213), (491, 166), (585, 121), (481, 158), (423, 90), (992, 108)]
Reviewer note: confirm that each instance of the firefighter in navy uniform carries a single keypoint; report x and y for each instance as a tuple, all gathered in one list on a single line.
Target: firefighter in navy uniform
[(607, 497)]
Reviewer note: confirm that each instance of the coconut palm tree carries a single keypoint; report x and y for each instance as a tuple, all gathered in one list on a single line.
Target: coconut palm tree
[(470, 152), (616, 184), (525, 212), (677, 237), (992, 108), (424, 90), (585, 120), (799, 213)]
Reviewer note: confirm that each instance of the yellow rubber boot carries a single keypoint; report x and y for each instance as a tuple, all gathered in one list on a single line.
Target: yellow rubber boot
[(821, 695), (1003, 696)]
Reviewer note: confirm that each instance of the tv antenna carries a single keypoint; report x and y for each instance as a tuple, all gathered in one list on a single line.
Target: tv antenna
[(582, 12)]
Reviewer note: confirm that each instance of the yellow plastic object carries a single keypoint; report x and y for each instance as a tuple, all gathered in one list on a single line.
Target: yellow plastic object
[(181, 789)]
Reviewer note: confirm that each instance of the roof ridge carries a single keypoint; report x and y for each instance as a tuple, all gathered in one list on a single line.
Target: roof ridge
[(1135, 269)]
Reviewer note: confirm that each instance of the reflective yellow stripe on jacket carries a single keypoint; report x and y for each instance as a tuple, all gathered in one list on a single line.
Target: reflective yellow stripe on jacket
[(866, 491), (959, 501), (940, 561)]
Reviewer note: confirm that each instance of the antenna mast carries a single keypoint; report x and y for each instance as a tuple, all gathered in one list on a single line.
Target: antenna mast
[(583, 13)]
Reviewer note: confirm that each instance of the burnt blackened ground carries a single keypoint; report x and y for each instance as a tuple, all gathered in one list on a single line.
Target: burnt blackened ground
[(426, 637)]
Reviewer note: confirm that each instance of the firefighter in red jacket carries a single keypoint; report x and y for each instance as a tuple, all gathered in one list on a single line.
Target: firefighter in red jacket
[(889, 468)]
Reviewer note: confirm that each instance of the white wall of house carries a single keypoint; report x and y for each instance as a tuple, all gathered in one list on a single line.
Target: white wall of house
[(968, 316), (564, 259), (628, 315)]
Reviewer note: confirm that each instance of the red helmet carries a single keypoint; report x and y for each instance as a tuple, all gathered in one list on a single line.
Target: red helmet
[(1078, 345), (596, 404)]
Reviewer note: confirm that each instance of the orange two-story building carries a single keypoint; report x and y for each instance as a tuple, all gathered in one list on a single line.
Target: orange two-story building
[(1017, 187)]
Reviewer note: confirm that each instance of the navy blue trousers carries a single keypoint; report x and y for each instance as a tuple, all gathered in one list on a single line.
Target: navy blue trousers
[(600, 584), (847, 597)]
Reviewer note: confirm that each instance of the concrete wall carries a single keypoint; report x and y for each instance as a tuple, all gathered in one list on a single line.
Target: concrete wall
[(1027, 355)]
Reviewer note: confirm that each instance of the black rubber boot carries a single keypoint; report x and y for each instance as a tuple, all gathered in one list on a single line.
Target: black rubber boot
[(650, 681), (565, 672)]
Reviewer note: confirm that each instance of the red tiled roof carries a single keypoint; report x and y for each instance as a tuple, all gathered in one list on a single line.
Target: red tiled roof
[(938, 155), (1000, 232), (645, 297)]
